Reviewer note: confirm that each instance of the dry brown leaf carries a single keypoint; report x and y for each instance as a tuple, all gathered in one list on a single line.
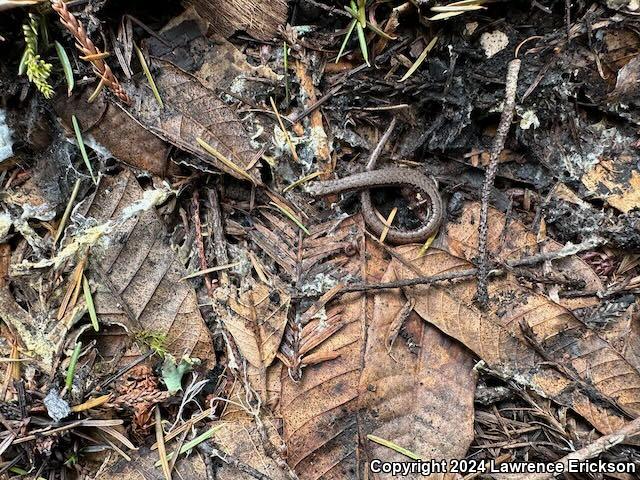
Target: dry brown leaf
[(259, 18), (362, 389), (414, 394), (241, 439), (141, 467), (575, 365), (143, 272), (111, 128), (256, 321), (617, 181), (192, 111), (513, 241), (215, 61)]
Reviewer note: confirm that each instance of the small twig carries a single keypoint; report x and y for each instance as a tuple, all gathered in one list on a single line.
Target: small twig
[(513, 68), (564, 252), (329, 9)]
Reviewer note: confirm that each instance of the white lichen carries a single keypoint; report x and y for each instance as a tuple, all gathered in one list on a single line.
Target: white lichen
[(493, 42)]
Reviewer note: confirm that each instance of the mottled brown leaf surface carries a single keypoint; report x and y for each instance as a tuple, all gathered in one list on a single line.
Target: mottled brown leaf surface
[(193, 111), (410, 395), (415, 392), (141, 467), (256, 320), (587, 367), (511, 241), (259, 18), (144, 273), (114, 130)]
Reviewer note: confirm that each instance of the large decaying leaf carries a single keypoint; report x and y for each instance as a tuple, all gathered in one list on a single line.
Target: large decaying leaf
[(256, 320), (409, 395), (566, 362), (140, 270), (141, 467), (192, 111), (106, 126), (413, 392)]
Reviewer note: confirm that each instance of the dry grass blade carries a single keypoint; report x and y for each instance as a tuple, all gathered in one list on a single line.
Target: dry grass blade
[(162, 451), (287, 137), (212, 151), (147, 72), (420, 59), (88, 298), (91, 403), (210, 270), (393, 446)]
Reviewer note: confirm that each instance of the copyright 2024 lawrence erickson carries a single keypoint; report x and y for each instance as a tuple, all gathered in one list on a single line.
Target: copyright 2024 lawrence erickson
[(468, 466)]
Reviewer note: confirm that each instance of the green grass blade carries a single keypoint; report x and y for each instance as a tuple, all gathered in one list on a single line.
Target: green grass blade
[(66, 67), (83, 151), (352, 25), (71, 371), (363, 43)]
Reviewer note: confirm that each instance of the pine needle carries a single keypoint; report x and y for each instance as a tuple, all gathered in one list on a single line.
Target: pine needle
[(96, 92), (302, 180), (147, 72), (394, 446), (194, 443), (88, 298), (387, 224), (294, 154), (67, 211), (420, 59), (212, 151), (427, 244), (162, 450), (292, 216), (83, 151), (210, 270)]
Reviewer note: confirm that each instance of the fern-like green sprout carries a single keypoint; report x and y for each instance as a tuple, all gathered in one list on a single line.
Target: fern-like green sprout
[(38, 71)]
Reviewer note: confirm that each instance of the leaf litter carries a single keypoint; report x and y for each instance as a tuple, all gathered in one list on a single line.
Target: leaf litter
[(176, 303)]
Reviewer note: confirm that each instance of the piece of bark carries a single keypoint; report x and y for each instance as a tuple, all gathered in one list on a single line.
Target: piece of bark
[(259, 18)]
